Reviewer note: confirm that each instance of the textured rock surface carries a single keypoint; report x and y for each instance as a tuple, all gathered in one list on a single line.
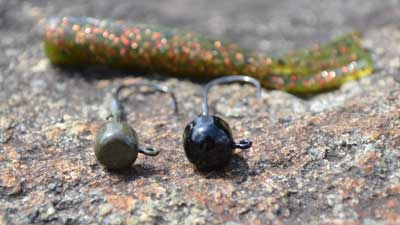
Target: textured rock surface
[(328, 159)]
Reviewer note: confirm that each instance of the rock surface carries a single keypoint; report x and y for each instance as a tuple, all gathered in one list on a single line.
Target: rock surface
[(333, 158)]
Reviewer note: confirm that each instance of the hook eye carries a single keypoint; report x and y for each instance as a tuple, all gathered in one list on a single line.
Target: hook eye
[(109, 117), (148, 151), (244, 144)]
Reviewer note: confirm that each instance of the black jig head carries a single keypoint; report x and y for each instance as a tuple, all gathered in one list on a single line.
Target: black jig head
[(207, 140), (117, 145)]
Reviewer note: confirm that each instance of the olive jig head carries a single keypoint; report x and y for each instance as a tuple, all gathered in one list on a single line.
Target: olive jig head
[(116, 144), (207, 140)]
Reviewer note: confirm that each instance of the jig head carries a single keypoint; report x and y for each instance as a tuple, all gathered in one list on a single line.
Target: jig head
[(117, 145), (207, 140)]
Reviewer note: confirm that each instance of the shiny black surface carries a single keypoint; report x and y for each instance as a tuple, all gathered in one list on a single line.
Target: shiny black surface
[(208, 142)]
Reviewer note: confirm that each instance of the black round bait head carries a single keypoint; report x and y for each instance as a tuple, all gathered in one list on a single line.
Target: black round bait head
[(116, 145), (207, 140)]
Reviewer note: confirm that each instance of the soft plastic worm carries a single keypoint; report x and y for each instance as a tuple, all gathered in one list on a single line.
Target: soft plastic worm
[(141, 47)]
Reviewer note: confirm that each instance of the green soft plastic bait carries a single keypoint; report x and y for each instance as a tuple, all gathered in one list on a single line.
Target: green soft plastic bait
[(141, 47)]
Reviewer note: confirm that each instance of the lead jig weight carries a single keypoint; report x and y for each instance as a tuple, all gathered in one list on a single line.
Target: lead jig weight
[(207, 140), (117, 145)]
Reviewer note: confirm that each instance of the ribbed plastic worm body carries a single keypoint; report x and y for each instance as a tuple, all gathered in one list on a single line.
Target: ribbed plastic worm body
[(141, 47)]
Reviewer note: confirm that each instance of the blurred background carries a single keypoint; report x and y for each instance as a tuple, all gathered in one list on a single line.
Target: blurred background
[(271, 26)]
